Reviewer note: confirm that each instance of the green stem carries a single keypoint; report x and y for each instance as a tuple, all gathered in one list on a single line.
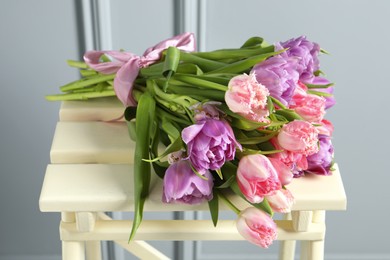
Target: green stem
[(228, 203), (81, 96), (277, 102), (77, 64), (86, 82), (193, 80)]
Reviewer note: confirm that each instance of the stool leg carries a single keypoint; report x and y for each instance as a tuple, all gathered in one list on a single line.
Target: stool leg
[(93, 250), (287, 247), (72, 250), (314, 249)]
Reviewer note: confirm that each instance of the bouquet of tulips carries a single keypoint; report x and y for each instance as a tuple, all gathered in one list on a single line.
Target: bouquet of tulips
[(244, 120)]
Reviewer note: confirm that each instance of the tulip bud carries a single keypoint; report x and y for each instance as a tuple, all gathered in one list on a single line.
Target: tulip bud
[(300, 137), (281, 201), (284, 172), (257, 227), (247, 97), (256, 177), (181, 184)]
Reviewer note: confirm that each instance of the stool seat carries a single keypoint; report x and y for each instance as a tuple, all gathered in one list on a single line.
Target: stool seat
[(109, 187), (91, 172)]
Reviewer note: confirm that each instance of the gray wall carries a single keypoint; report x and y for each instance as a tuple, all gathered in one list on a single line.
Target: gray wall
[(36, 37)]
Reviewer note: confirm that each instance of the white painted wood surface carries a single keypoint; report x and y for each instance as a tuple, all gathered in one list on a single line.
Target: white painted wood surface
[(91, 173), (68, 187)]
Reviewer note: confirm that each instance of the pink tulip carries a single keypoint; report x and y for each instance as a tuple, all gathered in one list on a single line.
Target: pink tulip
[(326, 128), (300, 137), (248, 98), (311, 108), (281, 201), (257, 177), (296, 162), (284, 172), (257, 227), (300, 93)]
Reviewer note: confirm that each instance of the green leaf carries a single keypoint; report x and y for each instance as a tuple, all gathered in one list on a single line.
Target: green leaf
[(289, 114), (270, 105), (159, 169), (203, 63), (227, 183), (171, 62), (173, 147), (132, 130), (218, 171), (188, 68), (214, 208), (152, 70), (244, 65), (247, 151), (233, 55), (197, 81), (319, 86), (142, 170), (210, 94), (319, 93), (256, 140), (253, 42), (170, 129)]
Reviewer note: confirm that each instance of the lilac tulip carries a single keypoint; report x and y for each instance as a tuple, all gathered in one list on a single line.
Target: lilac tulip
[(306, 53), (279, 75), (210, 143), (257, 227), (321, 162), (181, 184)]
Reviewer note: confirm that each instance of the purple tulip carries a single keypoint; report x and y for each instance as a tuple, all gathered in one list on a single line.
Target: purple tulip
[(306, 53), (279, 75), (210, 143), (181, 184), (321, 162)]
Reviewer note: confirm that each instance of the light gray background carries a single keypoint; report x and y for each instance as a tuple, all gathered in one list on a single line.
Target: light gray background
[(36, 37)]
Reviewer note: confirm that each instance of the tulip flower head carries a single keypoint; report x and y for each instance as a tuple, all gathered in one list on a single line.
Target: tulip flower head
[(257, 177), (257, 227)]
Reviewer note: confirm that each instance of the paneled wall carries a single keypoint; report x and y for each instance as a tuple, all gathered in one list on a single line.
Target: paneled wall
[(36, 37)]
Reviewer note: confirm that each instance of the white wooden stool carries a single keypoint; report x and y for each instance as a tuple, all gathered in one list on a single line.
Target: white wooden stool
[(90, 173)]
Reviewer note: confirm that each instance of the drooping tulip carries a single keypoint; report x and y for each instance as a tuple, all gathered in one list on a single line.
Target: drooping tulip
[(257, 227), (181, 184)]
